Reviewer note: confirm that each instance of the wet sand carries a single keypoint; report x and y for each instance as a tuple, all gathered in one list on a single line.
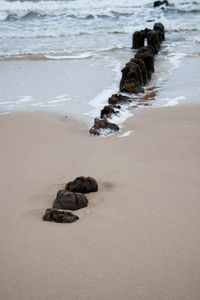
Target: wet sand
[(140, 236)]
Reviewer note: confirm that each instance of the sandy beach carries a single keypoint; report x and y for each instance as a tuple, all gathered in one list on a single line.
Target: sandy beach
[(139, 237)]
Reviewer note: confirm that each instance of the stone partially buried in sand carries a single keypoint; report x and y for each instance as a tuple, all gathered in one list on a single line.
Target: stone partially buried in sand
[(82, 185), (59, 216), (70, 201)]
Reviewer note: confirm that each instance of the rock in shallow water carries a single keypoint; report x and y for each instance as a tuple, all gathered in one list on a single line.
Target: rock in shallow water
[(108, 111), (82, 185), (138, 39), (59, 216), (146, 54), (131, 80), (100, 124), (118, 99), (70, 201)]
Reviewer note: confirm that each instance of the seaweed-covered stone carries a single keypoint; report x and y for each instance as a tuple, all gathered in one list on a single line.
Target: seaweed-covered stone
[(143, 69), (147, 55), (102, 124), (108, 111), (131, 86), (82, 185), (153, 39), (132, 79), (59, 216), (118, 99), (70, 201)]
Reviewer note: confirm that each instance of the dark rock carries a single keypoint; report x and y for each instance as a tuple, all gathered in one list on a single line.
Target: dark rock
[(153, 39), (159, 3), (147, 55), (161, 29), (117, 106), (118, 99), (139, 71), (82, 185), (149, 96), (130, 71), (145, 32), (138, 39), (143, 69), (59, 216), (131, 78), (107, 111), (131, 86), (71, 201), (152, 49), (94, 131), (102, 124)]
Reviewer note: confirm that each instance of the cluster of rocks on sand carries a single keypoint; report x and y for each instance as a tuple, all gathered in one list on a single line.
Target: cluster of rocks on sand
[(135, 75), (71, 198)]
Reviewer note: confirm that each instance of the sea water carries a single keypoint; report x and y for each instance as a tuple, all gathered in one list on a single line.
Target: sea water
[(67, 55)]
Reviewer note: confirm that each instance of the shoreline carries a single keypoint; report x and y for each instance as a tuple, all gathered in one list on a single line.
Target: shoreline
[(77, 103), (139, 236)]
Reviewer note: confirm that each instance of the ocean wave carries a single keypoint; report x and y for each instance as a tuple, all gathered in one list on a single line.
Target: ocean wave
[(40, 56), (182, 29), (42, 33), (31, 14), (77, 9), (117, 32), (78, 56), (172, 101), (112, 48), (21, 15), (185, 11)]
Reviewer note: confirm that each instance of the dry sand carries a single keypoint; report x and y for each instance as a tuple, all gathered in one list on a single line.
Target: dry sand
[(140, 236)]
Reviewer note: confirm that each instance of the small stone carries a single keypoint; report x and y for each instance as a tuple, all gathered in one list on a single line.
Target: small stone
[(82, 185), (70, 201), (100, 124), (59, 216)]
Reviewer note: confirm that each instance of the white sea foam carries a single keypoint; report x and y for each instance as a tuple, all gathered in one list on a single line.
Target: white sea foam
[(98, 102), (125, 134), (60, 99), (79, 56), (65, 96), (175, 59), (37, 104), (172, 101), (51, 105), (24, 99), (4, 102), (5, 113), (122, 116)]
